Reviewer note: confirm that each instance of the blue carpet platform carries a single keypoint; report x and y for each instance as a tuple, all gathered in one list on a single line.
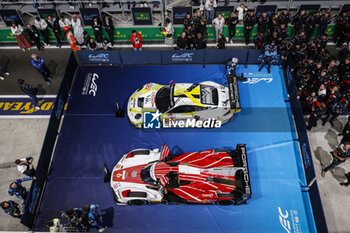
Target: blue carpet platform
[(91, 136)]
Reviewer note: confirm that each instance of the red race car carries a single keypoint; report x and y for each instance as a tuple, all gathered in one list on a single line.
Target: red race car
[(212, 176)]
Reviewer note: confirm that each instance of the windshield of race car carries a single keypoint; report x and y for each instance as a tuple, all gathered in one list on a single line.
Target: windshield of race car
[(163, 98), (209, 95), (146, 174)]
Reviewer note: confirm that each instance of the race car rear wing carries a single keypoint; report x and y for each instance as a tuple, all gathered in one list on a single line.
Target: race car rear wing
[(235, 105), (242, 175)]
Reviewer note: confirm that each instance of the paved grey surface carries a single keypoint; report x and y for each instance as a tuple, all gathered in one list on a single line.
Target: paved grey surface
[(18, 64), (19, 138), (335, 198)]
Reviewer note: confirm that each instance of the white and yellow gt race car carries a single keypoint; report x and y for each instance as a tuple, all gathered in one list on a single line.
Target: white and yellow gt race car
[(184, 105)]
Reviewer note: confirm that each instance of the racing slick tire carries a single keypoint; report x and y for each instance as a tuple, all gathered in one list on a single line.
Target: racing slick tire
[(225, 202), (138, 202)]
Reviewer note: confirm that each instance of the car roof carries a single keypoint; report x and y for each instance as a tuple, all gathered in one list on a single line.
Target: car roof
[(187, 94)]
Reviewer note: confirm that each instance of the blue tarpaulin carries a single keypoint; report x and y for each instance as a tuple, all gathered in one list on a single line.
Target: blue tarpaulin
[(91, 136)]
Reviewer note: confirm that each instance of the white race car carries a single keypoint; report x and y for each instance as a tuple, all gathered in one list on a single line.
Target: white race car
[(185, 101), (214, 176)]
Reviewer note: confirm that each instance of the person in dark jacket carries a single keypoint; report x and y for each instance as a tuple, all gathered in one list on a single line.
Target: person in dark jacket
[(34, 36), (298, 22), (339, 28), (92, 45), (86, 38), (16, 188), (248, 21), (343, 54), (55, 27), (109, 27), (189, 30), (106, 44), (284, 18), (199, 42), (310, 25), (39, 64), (325, 20), (31, 92), (197, 22), (262, 23), (259, 40), (97, 27), (317, 111), (337, 108), (188, 20), (11, 208), (231, 22), (181, 41), (221, 42), (346, 132), (203, 28), (340, 155), (25, 166)]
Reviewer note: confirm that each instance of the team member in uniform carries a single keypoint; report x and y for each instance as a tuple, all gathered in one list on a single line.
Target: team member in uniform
[(310, 25), (181, 41), (11, 208), (284, 18), (325, 20), (339, 35), (262, 23), (18, 190), (248, 21), (71, 39), (270, 52), (39, 64), (259, 41), (55, 225), (298, 22)]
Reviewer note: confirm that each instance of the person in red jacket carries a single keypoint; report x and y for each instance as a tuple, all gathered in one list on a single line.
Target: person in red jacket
[(136, 40)]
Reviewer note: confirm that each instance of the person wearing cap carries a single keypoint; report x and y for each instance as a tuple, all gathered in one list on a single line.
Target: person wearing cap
[(78, 29), (71, 39), (136, 40), (11, 208), (39, 64)]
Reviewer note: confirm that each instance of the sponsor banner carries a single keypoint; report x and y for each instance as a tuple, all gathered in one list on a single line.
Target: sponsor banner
[(269, 9), (150, 33), (179, 14), (44, 13), (183, 57), (289, 220), (23, 107), (87, 14), (309, 8), (11, 15), (225, 11), (142, 16)]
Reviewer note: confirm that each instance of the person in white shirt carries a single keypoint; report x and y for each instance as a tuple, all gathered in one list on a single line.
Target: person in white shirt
[(22, 40), (64, 22), (169, 32), (25, 166), (78, 29), (42, 25), (209, 9), (241, 9), (218, 24)]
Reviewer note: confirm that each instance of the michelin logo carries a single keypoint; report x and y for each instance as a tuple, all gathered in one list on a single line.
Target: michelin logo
[(101, 57), (289, 220), (90, 84), (182, 57)]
